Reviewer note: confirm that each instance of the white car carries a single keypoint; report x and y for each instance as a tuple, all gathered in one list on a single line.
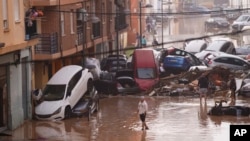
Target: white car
[(196, 46), (240, 22), (232, 62), (63, 91)]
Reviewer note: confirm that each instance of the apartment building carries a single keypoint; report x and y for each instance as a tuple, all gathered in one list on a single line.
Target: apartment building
[(15, 65), (38, 37)]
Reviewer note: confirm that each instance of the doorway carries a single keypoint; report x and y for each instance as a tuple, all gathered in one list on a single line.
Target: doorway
[(3, 99)]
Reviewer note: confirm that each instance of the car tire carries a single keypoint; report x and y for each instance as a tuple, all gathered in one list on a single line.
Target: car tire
[(67, 112)]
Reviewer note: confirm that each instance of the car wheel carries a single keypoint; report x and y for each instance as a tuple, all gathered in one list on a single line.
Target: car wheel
[(67, 112)]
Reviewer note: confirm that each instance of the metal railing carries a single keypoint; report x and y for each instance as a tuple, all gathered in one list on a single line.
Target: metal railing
[(48, 44)]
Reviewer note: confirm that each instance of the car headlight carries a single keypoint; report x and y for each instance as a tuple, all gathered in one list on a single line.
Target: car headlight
[(57, 111)]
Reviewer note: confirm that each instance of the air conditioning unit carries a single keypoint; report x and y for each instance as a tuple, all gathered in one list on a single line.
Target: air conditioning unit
[(82, 15)]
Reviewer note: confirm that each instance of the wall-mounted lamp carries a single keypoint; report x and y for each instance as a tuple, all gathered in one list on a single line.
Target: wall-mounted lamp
[(16, 58), (2, 44)]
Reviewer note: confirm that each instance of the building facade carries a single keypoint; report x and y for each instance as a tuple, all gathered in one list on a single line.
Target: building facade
[(15, 65), (38, 37)]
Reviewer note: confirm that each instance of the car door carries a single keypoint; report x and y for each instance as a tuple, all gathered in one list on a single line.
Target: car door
[(236, 64), (223, 61), (75, 89), (240, 64)]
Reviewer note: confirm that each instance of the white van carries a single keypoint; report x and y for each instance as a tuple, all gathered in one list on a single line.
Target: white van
[(63, 91)]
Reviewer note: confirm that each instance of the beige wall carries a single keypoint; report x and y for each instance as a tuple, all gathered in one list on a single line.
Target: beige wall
[(14, 36)]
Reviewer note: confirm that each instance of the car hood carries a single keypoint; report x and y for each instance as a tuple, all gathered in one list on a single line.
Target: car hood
[(48, 107)]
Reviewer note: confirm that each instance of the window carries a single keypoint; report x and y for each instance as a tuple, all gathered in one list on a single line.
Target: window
[(146, 73), (71, 22), (17, 10), (5, 14), (62, 24), (74, 81), (103, 11), (225, 47), (222, 60), (88, 9), (237, 62)]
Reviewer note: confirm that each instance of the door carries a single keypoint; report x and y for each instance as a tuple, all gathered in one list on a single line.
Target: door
[(3, 99), (25, 87)]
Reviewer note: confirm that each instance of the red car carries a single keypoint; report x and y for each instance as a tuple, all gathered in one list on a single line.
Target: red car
[(145, 67)]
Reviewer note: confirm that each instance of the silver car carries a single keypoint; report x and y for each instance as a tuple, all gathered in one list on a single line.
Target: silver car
[(230, 61)]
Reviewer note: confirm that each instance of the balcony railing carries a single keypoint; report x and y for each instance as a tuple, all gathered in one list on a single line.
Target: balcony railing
[(48, 44)]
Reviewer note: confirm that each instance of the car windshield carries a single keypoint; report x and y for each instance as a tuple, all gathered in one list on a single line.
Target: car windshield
[(53, 92), (146, 73), (242, 18)]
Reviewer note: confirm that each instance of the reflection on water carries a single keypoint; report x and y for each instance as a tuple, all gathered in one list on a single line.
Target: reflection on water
[(169, 118)]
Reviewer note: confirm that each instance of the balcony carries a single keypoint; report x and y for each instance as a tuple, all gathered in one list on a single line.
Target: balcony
[(48, 44), (52, 2)]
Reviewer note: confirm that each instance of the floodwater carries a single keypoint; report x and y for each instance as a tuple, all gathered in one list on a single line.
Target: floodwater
[(169, 119)]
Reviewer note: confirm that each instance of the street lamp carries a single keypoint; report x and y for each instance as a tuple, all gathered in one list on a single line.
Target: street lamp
[(140, 7)]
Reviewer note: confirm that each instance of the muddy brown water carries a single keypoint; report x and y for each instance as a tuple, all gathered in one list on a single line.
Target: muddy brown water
[(169, 119)]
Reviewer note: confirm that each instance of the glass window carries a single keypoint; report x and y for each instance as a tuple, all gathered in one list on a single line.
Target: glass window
[(5, 14), (146, 73), (238, 62), (17, 10), (74, 81), (225, 47), (53, 92), (222, 60)]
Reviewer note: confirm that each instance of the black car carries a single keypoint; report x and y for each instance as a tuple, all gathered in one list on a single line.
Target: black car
[(217, 22), (108, 63), (126, 83), (88, 104)]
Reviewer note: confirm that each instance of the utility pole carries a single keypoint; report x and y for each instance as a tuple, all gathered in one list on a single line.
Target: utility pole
[(140, 38), (162, 23)]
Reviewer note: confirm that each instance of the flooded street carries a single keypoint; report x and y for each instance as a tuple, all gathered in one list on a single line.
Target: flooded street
[(169, 119)]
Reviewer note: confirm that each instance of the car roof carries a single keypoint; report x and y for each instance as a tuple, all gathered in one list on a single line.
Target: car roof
[(229, 55), (194, 45), (64, 75), (216, 44)]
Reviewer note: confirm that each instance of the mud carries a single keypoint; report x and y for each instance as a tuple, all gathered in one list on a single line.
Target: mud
[(169, 118)]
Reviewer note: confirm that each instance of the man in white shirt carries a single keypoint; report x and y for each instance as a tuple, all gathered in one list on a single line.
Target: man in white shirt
[(142, 110)]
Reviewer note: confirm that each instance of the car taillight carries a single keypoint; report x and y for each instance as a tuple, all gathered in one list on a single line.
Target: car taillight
[(209, 61)]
